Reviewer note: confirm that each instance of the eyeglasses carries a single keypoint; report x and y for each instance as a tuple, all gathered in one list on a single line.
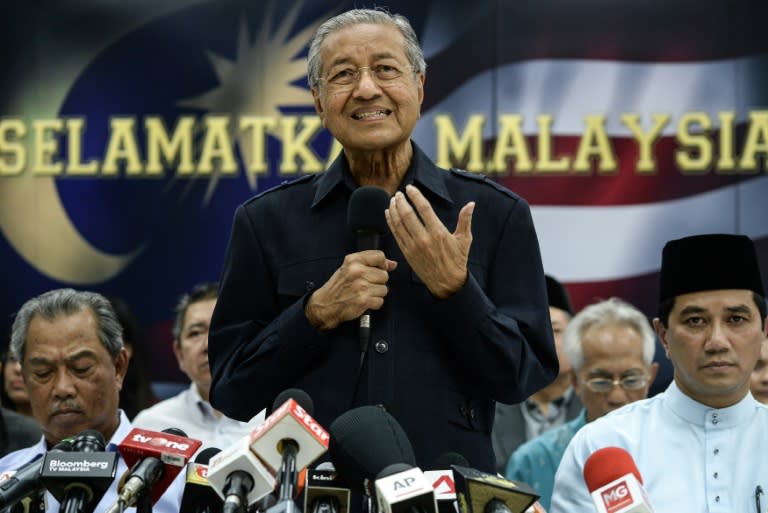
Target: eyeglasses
[(605, 385), (382, 74)]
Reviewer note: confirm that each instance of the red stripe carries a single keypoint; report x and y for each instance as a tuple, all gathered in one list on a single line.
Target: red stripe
[(625, 186), (641, 291)]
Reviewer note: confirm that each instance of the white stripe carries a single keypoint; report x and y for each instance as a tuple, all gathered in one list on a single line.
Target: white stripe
[(569, 90), (613, 242)]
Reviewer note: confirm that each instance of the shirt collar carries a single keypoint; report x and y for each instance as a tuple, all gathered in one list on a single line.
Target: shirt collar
[(699, 414), (203, 406), (422, 171)]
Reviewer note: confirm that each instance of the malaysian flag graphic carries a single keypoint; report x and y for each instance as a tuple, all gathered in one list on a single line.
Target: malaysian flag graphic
[(693, 71), (624, 124)]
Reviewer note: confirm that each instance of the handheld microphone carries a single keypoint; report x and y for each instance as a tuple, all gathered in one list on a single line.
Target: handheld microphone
[(402, 488), (478, 492), (79, 479), (288, 441), (155, 459), (16, 485), (443, 481), (365, 217), (198, 495), (239, 477), (325, 491), (615, 483)]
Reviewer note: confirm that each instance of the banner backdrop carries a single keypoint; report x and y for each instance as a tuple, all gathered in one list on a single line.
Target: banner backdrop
[(130, 131)]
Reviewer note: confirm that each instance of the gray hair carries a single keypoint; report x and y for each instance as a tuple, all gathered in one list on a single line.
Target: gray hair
[(610, 311), (62, 303), (358, 16), (200, 292)]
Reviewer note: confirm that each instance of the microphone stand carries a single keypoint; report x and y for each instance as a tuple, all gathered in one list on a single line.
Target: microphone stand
[(285, 502)]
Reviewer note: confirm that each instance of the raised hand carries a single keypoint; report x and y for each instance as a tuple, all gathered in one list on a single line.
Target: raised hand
[(437, 256)]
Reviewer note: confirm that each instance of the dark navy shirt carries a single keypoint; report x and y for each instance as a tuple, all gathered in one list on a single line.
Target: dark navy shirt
[(435, 365)]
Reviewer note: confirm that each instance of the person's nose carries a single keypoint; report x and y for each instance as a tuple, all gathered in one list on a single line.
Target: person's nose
[(717, 340), (64, 384), (366, 85), (617, 396)]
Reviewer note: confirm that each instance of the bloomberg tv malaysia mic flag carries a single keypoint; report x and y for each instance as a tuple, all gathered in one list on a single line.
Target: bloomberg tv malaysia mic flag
[(61, 469)]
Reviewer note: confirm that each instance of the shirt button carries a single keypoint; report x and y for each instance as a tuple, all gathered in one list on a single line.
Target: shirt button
[(714, 475), (472, 413), (717, 451), (381, 346), (717, 499), (309, 286)]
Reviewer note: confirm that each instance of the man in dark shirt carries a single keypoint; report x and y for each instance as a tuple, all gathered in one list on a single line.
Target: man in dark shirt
[(459, 319)]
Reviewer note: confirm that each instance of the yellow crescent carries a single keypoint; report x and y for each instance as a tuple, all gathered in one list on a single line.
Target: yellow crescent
[(32, 217)]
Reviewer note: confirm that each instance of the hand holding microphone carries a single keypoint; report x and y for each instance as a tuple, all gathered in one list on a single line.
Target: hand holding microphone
[(615, 483), (365, 217), (360, 284)]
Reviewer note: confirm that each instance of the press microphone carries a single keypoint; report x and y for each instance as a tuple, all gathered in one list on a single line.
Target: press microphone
[(364, 441), (79, 479), (365, 217), (403, 488), (16, 485), (325, 491), (443, 482), (238, 477), (198, 495), (614, 482), (478, 492), (288, 441), (155, 459)]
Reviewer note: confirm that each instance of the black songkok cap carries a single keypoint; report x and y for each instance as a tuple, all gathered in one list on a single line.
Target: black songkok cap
[(709, 262), (557, 295)]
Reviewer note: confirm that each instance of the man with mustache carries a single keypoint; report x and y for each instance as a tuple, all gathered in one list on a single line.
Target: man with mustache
[(698, 445), (191, 410), (73, 361)]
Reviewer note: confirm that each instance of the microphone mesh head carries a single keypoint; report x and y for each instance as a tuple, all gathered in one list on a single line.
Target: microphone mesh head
[(298, 395), (364, 441), (204, 456), (366, 209), (89, 440), (608, 464), (394, 468), (175, 431)]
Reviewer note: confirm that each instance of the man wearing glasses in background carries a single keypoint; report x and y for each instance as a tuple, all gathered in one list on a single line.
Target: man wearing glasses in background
[(700, 445), (456, 289), (610, 346)]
